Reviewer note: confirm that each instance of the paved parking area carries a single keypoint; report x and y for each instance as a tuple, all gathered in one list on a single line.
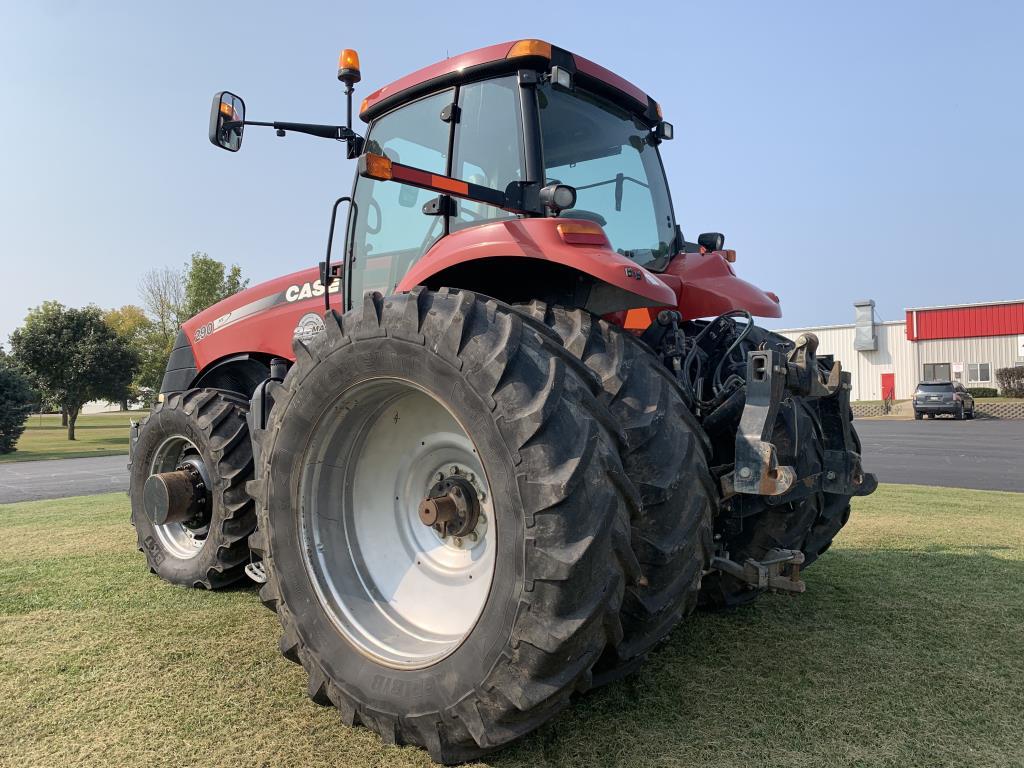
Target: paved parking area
[(29, 480), (987, 454)]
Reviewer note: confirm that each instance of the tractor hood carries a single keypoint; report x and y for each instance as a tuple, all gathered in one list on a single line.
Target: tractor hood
[(262, 320)]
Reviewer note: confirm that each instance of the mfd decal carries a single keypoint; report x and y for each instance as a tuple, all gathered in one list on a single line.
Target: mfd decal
[(309, 325), (309, 290)]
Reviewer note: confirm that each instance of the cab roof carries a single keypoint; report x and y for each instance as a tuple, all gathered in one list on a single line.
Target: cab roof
[(503, 58)]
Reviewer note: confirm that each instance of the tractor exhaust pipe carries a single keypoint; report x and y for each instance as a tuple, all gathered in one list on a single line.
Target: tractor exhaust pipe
[(174, 497)]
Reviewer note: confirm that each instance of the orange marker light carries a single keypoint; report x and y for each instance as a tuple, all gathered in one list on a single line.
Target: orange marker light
[(580, 232), (530, 48), (729, 255), (375, 167)]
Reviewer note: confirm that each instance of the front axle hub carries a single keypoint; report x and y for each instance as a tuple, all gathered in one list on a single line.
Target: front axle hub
[(451, 507), (175, 497)]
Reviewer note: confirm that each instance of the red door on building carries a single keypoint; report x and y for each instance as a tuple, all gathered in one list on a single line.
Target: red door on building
[(888, 386)]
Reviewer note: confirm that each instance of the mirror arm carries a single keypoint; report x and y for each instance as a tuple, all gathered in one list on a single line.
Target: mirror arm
[(338, 132)]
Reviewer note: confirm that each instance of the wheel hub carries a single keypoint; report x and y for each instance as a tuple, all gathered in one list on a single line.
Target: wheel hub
[(177, 497), (451, 507), (180, 496)]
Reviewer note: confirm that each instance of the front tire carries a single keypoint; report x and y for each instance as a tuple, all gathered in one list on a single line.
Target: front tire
[(205, 429), (557, 525)]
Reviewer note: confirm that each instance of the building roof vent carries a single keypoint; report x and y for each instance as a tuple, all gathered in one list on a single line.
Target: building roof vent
[(864, 339)]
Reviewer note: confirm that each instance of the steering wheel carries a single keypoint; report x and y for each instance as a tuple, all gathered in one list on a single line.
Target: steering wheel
[(579, 213)]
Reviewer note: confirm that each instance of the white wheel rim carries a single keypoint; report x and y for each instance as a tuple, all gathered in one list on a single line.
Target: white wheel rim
[(397, 591), (177, 539)]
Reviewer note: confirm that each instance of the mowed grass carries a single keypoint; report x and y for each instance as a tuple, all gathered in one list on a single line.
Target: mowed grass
[(98, 434), (907, 650)]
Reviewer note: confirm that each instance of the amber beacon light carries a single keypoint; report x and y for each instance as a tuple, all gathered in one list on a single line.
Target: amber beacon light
[(348, 67)]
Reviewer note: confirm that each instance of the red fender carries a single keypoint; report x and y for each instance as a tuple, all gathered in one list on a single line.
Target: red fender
[(539, 238)]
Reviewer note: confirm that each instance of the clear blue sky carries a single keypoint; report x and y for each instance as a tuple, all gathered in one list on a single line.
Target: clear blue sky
[(847, 150)]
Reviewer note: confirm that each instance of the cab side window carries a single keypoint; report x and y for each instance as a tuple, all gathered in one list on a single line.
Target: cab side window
[(488, 145), (390, 229)]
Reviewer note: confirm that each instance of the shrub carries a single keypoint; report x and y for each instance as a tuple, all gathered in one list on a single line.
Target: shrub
[(16, 398), (983, 391), (1011, 381)]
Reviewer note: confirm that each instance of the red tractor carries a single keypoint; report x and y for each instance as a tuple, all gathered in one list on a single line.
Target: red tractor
[(493, 455)]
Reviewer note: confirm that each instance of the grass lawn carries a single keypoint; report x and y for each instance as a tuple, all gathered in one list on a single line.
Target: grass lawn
[(98, 434), (906, 650)]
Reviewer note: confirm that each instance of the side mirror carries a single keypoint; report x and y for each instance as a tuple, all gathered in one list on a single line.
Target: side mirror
[(711, 241), (227, 119)]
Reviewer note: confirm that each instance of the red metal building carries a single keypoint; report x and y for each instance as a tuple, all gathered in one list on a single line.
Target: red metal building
[(1003, 318)]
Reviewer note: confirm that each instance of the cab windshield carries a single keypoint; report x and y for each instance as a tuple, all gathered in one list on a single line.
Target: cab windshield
[(605, 153)]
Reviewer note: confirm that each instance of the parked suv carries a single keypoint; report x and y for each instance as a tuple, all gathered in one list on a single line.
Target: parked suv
[(935, 397)]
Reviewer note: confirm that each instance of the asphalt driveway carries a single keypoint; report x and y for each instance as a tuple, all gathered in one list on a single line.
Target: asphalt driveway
[(987, 454), (29, 480)]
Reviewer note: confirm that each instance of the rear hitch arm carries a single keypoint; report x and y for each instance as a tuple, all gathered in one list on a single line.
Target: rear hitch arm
[(757, 469), (780, 570), (771, 377)]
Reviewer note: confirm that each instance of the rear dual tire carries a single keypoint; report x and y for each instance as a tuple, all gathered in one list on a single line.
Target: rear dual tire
[(559, 521), (665, 453)]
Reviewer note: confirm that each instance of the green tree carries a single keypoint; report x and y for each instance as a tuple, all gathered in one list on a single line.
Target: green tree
[(133, 328), (16, 400), (74, 356), (208, 281)]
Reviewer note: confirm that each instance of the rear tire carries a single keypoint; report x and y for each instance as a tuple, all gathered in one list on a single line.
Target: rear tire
[(560, 527), (665, 455), (207, 426)]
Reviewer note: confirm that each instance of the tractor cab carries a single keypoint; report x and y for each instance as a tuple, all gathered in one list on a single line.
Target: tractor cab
[(513, 126)]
